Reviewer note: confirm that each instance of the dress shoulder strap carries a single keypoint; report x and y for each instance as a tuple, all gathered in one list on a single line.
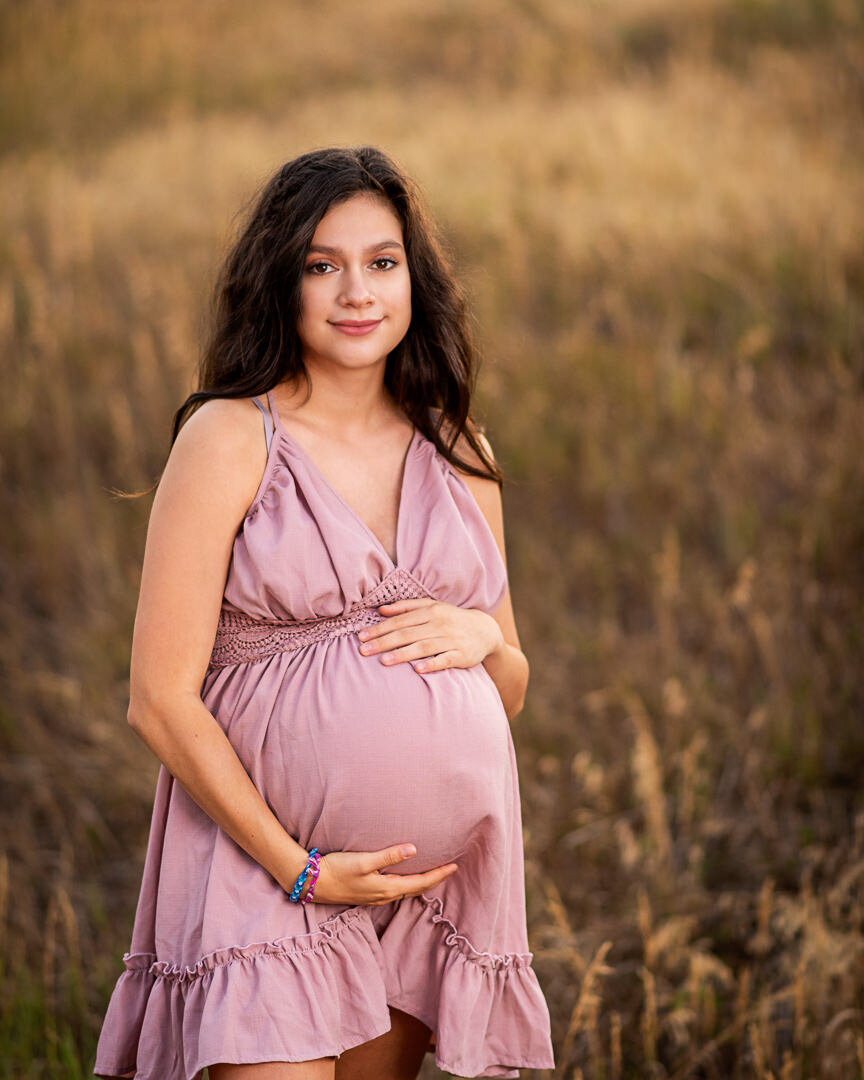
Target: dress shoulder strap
[(268, 423)]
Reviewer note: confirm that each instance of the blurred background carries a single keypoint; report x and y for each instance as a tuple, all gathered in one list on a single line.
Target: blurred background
[(658, 209)]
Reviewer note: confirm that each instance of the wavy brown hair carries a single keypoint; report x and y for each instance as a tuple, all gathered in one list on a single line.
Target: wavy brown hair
[(253, 343)]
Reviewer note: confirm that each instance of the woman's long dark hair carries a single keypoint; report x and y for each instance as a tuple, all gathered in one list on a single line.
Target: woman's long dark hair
[(253, 343)]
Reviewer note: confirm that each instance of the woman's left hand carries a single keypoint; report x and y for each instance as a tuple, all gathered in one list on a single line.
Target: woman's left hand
[(436, 634)]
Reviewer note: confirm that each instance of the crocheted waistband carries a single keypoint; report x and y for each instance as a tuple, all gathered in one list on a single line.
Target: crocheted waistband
[(242, 638)]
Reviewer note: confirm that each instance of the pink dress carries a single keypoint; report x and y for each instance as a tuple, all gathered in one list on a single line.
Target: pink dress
[(351, 755)]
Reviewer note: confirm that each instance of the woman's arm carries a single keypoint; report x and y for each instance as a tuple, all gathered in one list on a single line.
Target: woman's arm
[(209, 481), (507, 664)]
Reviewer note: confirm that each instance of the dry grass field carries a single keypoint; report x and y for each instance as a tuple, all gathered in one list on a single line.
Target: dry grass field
[(658, 207)]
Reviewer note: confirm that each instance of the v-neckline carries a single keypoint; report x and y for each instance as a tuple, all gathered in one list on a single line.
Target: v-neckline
[(304, 454)]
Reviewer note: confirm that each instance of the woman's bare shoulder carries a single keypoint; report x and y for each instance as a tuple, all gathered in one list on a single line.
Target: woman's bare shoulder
[(220, 420), (221, 450)]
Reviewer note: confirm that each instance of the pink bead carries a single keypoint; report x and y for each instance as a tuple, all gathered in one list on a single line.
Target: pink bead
[(312, 874)]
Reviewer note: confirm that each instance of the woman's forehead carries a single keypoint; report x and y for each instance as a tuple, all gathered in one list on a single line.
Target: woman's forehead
[(361, 214)]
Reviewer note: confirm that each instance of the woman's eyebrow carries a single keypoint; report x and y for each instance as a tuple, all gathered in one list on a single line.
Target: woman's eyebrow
[(324, 250)]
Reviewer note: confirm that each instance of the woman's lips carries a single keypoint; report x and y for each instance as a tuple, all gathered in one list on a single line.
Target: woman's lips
[(356, 328)]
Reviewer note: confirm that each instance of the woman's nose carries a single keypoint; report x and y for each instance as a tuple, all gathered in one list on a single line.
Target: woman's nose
[(355, 287)]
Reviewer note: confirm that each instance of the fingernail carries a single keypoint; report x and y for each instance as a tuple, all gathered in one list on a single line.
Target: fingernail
[(407, 850)]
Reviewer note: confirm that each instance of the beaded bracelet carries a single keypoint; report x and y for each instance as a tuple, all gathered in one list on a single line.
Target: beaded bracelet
[(314, 875), (312, 860)]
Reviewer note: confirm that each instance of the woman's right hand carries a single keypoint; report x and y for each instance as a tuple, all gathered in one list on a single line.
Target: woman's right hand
[(358, 877)]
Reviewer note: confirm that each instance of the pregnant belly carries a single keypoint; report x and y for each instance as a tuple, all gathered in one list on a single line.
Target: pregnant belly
[(355, 755)]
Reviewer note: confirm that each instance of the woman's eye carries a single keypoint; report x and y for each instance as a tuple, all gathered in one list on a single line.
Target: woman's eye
[(313, 268)]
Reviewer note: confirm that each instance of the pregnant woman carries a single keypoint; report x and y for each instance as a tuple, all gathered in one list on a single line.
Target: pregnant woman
[(325, 661)]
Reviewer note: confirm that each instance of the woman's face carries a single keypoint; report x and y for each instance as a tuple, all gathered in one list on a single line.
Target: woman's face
[(355, 272)]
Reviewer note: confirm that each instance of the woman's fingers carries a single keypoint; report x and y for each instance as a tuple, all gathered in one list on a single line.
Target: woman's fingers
[(409, 884), (360, 877), (388, 856), (415, 883), (412, 884), (397, 853)]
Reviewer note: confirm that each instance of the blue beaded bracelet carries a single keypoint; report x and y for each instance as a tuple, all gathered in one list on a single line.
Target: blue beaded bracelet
[(301, 880)]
